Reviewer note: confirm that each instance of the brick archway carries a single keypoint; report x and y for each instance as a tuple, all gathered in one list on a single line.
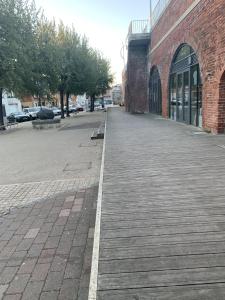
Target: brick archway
[(221, 105), (185, 87), (155, 92)]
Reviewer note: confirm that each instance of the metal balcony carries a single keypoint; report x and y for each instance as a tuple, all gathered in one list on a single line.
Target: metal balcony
[(139, 33)]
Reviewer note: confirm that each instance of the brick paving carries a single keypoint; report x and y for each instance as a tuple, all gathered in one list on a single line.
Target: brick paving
[(46, 247), (14, 195)]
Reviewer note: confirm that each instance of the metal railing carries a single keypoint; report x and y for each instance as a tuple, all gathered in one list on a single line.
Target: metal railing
[(144, 26), (139, 27), (159, 10)]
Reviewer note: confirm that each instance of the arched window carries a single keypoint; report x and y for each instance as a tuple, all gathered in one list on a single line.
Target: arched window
[(155, 92), (184, 51), (185, 99)]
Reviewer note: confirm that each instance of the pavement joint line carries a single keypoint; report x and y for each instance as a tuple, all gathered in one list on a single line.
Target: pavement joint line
[(44, 181), (19, 195), (92, 295)]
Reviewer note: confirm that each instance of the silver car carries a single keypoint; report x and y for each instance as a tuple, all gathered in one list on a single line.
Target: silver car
[(31, 112)]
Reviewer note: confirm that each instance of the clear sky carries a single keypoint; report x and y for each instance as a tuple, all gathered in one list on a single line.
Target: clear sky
[(104, 22)]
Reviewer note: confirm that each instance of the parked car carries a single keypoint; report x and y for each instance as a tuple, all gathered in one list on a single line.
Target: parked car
[(98, 104), (79, 108), (32, 112), (18, 117), (72, 109), (108, 103), (56, 111)]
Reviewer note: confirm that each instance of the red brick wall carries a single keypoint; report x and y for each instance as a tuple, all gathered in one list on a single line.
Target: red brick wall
[(136, 89), (204, 30)]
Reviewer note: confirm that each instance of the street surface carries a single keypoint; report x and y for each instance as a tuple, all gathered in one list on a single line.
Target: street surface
[(48, 191)]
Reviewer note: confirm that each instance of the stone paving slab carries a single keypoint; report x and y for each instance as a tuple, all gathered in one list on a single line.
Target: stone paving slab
[(46, 247), (14, 195), (162, 223), (51, 159)]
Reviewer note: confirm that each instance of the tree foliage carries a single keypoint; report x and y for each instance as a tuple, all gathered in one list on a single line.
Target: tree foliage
[(18, 21), (39, 57), (17, 30), (43, 76), (98, 75)]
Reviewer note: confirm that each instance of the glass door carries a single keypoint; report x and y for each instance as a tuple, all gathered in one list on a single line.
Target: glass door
[(173, 96), (155, 95), (159, 94), (200, 103), (186, 98), (180, 97), (196, 103), (155, 92)]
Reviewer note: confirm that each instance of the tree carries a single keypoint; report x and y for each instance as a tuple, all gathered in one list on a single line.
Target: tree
[(81, 69), (98, 75), (42, 78), (39, 58), (70, 54), (17, 23), (76, 83)]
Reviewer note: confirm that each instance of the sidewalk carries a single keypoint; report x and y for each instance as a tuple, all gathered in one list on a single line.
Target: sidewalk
[(48, 192), (46, 248), (163, 211)]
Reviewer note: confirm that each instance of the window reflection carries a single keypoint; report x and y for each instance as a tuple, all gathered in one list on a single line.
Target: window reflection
[(185, 88)]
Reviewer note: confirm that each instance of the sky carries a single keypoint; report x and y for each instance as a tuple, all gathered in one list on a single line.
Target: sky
[(104, 22)]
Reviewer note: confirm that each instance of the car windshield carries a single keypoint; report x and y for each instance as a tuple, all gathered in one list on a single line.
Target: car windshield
[(108, 101), (32, 109), (18, 113), (97, 102)]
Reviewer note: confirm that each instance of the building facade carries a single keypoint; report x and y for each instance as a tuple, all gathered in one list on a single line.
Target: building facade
[(117, 94), (185, 69)]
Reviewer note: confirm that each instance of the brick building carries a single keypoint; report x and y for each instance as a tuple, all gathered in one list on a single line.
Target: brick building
[(178, 70)]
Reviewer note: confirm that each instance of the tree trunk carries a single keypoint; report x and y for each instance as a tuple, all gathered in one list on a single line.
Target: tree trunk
[(67, 104), (103, 103), (62, 103), (92, 103), (39, 101), (1, 111)]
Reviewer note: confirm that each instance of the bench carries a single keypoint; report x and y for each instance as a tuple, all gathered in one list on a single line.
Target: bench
[(98, 133), (45, 124)]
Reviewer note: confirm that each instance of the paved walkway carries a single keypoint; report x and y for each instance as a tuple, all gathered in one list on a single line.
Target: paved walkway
[(46, 248), (163, 211), (36, 164), (48, 192)]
